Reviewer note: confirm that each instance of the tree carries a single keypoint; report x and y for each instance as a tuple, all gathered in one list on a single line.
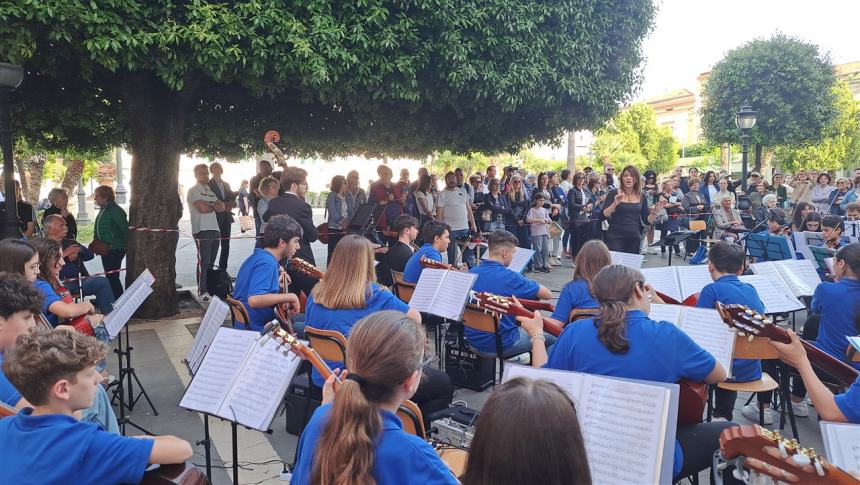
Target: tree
[(788, 81), (633, 138), (840, 146), (383, 76)]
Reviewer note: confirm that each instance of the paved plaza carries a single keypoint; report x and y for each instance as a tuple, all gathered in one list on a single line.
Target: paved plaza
[(160, 347)]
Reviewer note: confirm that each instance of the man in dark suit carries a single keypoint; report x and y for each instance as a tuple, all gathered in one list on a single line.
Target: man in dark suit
[(292, 203), (225, 219)]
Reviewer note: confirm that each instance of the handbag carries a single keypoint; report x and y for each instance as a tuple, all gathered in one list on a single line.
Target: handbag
[(555, 230), (98, 246), (246, 223)]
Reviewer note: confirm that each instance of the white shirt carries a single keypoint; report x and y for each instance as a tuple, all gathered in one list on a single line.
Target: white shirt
[(200, 221), (428, 201), (456, 205)]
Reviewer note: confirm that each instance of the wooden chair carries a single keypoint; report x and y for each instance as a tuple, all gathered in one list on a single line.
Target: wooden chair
[(759, 348), (238, 312), (581, 313), (413, 421), (329, 344), (476, 318), (401, 289), (698, 225)]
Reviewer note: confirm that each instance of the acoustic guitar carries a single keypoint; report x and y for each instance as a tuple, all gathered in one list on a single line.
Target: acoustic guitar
[(282, 313), (294, 345), (81, 323), (689, 301), (306, 268), (507, 306), (747, 322), (768, 453)]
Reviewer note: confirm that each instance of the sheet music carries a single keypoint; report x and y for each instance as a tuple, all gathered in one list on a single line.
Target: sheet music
[(775, 295), (610, 408), (123, 310), (800, 275), (664, 280), (521, 258), (627, 259), (804, 239), (212, 321), (260, 386), (223, 360), (707, 329), (426, 289), (829, 262), (693, 278), (665, 313), (842, 445), (854, 342), (452, 294)]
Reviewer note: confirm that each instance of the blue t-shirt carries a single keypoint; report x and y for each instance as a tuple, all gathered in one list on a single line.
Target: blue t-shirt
[(413, 268), (8, 394), (837, 303), (849, 402), (59, 449), (342, 321), (258, 275), (399, 457), (730, 290), (51, 297), (659, 351), (493, 277), (573, 295)]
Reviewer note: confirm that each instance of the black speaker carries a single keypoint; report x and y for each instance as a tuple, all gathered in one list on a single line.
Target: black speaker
[(301, 402), (465, 367)]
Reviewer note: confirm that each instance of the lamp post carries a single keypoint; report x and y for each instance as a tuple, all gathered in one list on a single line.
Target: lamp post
[(745, 121), (120, 188), (11, 77)]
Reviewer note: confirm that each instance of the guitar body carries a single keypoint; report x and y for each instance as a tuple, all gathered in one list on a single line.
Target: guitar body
[(80, 323), (322, 230), (179, 474), (692, 399)]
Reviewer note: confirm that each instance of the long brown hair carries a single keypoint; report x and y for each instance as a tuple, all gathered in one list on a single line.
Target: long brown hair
[(348, 276), (540, 413), (613, 287), (49, 252), (14, 254), (593, 257), (637, 180), (384, 349)]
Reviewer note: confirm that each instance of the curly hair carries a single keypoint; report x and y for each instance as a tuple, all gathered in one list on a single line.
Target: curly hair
[(18, 295)]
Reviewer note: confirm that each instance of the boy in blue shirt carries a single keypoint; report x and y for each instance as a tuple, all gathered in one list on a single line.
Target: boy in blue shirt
[(436, 236), (56, 372), (726, 263), (495, 277), (258, 282)]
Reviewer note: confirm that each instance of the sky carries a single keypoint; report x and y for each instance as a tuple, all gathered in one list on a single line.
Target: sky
[(690, 36)]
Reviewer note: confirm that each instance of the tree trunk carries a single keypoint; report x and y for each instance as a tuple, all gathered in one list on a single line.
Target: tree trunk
[(757, 166), (74, 171), (571, 150), (25, 180), (157, 118), (36, 169)]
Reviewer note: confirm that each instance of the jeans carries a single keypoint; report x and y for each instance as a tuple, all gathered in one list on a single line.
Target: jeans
[(207, 247), (524, 344), (111, 261), (95, 286), (468, 254), (101, 412), (541, 246)]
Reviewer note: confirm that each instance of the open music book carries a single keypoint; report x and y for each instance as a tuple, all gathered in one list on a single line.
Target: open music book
[(842, 445), (774, 293), (212, 321), (628, 425), (128, 303), (241, 380), (627, 259), (442, 292), (704, 326), (804, 239), (798, 275), (521, 259), (678, 282)]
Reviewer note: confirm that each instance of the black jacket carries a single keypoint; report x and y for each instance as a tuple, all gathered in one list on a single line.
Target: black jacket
[(299, 210), (228, 197)]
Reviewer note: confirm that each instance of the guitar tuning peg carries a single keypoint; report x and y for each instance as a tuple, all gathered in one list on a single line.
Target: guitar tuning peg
[(750, 338), (741, 334)]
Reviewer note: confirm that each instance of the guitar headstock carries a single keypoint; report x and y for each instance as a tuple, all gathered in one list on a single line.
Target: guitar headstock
[(748, 322), (432, 263), (306, 268), (769, 453), (499, 304)]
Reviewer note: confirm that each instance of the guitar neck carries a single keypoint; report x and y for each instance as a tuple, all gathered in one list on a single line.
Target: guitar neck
[(548, 327), (537, 305), (844, 373)]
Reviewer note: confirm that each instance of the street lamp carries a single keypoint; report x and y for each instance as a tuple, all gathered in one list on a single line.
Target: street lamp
[(745, 121), (11, 77)]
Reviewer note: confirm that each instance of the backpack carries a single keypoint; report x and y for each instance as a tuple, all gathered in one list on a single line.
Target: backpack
[(411, 206), (218, 283)]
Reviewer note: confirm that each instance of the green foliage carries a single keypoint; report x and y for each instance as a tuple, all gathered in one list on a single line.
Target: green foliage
[(334, 78), (789, 82), (840, 146), (470, 163), (633, 138), (702, 148)]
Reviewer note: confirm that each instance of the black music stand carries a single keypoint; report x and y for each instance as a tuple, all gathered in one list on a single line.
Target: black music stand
[(207, 438), (127, 373), (821, 254), (674, 239), (768, 248)]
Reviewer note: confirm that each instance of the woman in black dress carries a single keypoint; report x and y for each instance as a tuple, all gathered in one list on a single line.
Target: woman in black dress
[(627, 211)]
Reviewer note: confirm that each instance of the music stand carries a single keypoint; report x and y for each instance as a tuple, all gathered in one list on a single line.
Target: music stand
[(673, 239), (768, 248), (821, 254), (365, 219)]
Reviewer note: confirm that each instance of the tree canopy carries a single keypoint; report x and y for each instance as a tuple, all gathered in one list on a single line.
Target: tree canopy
[(633, 138), (401, 77), (788, 81)]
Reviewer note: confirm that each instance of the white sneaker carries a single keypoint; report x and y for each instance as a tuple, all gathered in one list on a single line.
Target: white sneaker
[(651, 250), (750, 411), (800, 409)]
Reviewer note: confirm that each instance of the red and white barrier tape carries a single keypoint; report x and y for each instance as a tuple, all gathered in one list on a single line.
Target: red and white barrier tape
[(81, 278)]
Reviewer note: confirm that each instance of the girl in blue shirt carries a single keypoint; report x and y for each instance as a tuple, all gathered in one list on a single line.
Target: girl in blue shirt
[(578, 294), (355, 436), (622, 341), (348, 293)]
